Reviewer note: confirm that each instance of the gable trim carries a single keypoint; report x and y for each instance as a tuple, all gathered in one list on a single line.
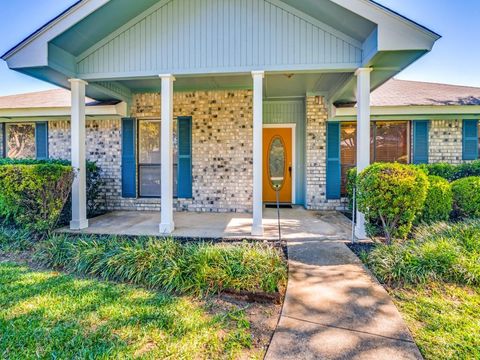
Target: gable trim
[(121, 30), (55, 22)]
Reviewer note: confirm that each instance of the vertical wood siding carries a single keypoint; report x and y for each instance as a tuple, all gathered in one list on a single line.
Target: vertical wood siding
[(288, 112), (194, 36)]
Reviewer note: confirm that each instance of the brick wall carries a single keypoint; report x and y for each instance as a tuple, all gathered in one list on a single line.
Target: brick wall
[(445, 141), (316, 155), (221, 150)]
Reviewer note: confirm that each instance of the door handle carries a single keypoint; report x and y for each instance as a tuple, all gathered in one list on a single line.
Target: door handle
[(290, 170)]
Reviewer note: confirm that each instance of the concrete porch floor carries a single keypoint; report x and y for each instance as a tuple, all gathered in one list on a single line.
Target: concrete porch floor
[(297, 223)]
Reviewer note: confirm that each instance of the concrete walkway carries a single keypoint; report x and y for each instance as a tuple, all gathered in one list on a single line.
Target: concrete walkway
[(335, 310)]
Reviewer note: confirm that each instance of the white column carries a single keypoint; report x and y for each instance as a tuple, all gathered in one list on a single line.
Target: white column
[(166, 143), (363, 135), (257, 226), (77, 124)]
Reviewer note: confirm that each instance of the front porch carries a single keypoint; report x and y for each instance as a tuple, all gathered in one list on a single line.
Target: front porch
[(296, 224)]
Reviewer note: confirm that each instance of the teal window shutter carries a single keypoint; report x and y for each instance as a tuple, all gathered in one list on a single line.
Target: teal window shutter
[(184, 170), (333, 161), (470, 140), (129, 158), (41, 140), (420, 141)]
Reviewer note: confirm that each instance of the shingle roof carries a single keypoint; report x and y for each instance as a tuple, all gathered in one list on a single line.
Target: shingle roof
[(405, 93), (41, 99)]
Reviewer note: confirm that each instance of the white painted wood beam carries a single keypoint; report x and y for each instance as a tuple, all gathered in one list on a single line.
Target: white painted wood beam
[(77, 124), (166, 142), (257, 225), (363, 135)]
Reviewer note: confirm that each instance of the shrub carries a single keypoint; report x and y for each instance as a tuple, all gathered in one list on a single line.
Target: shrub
[(350, 186), (392, 194), (467, 170), (443, 170), (94, 184), (167, 264), (33, 196), (438, 252), (466, 197), (439, 202)]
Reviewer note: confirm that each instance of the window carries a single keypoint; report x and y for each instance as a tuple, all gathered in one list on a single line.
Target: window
[(20, 141), (149, 158), (389, 142)]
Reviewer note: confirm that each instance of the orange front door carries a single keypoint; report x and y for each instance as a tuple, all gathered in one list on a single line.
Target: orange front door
[(277, 164)]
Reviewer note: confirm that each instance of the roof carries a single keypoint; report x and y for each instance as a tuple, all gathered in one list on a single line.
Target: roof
[(415, 93), (56, 98)]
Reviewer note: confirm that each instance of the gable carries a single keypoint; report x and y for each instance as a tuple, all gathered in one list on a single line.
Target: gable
[(214, 36)]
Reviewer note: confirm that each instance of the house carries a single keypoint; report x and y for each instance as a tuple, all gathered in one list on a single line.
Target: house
[(252, 94)]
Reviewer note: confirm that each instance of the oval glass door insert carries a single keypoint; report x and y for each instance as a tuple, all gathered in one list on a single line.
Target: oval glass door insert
[(276, 163)]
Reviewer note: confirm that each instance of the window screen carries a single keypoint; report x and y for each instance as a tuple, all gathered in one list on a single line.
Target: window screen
[(149, 158), (388, 143), (20, 141)]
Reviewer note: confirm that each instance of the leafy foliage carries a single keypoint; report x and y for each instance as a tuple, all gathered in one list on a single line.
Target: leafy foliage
[(350, 186), (33, 196), (452, 172), (466, 197), (443, 170), (439, 252), (13, 239), (392, 195), (95, 183), (167, 264), (439, 202)]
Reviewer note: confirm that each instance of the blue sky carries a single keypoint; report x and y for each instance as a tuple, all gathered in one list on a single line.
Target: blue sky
[(455, 58)]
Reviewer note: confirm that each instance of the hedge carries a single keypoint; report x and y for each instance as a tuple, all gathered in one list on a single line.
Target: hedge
[(33, 196), (466, 197), (392, 195), (439, 202), (94, 184), (452, 172)]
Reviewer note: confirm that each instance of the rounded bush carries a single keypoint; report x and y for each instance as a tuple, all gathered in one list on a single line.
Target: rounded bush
[(466, 197), (439, 201), (392, 195)]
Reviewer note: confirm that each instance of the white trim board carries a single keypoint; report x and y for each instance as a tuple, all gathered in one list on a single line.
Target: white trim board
[(294, 153)]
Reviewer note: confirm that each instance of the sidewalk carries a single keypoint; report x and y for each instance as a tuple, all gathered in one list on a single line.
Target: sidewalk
[(335, 310)]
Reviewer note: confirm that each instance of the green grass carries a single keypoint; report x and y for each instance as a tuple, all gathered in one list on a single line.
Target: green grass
[(434, 279), (54, 316), (166, 264), (444, 319)]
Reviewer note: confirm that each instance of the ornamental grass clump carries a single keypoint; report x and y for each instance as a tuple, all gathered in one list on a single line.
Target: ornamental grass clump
[(439, 252), (391, 195), (166, 264)]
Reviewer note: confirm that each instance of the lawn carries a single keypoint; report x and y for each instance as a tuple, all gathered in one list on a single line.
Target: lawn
[(443, 318), (45, 314), (434, 279)]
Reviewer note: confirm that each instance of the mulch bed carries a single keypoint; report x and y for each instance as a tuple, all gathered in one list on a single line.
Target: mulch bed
[(361, 247)]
